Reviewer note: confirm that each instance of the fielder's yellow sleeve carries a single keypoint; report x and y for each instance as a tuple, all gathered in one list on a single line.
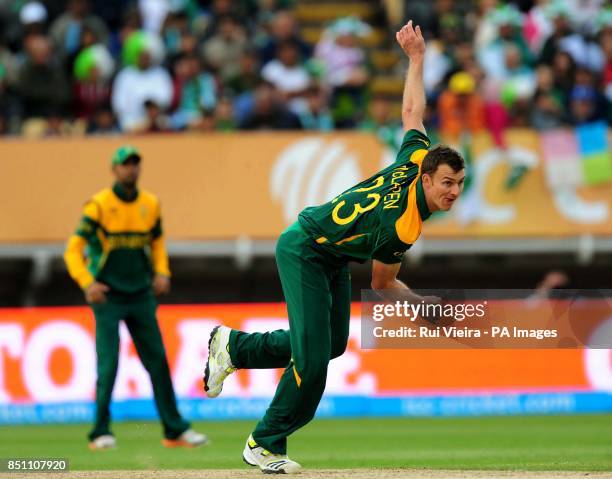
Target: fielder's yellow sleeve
[(159, 256), (74, 256), (75, 261)]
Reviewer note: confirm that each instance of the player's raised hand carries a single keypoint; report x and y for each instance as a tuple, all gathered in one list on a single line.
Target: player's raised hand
[(411, 40)]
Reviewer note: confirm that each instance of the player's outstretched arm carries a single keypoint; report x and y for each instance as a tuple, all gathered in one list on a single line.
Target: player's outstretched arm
[(384, 277), (413, 104)]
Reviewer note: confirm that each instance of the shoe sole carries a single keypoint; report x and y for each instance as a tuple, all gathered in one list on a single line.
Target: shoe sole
[(93, 447), (207, 367), (247, 452), (247, 462), (174, 443)]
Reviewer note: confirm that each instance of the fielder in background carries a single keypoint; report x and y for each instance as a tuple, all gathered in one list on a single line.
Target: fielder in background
[(124, 268), (378, 219)]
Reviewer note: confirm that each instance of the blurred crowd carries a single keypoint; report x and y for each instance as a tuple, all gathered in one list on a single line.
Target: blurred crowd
[(539, 64), (71, 67)]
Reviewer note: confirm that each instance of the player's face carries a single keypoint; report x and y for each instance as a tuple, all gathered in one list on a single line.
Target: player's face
[(128, 172), (443, 187)]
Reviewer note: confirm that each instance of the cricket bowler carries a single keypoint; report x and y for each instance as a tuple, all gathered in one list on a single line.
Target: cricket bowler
[(126, 265), (379, 219)]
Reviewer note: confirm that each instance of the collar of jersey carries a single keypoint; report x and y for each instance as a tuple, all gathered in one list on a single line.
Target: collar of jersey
[(123, 195), (420, 200)]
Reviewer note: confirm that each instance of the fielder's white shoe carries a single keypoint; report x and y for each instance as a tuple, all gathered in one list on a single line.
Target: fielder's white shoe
[(219, 364), (189, 438), (106, 441), (255, 455)]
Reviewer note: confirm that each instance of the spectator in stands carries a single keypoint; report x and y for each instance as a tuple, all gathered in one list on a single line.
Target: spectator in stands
[(559, 16), (288, 75), (247, 77), (591, 81), (225, 119), (483, 22), (42, 85), (383, 123), (564, 71), (103, 122), (437, 64), (314, 113), (195, 91), (243, 84), (131, 23), (93, 69), (344, 62), (462, 56), (460, 106), (207, 122), (269, 112), (519, 80), (215, 11), (583, 105), (583, 50), (67, 29), (447, 17), (156, 121), (517, 89), (444, 57), (178, 38), (492, 57), (548, 101), (538, 26), (379, 114), (284, 29), (57, 125), (223, 51), (138, 82), (587, 14), (546, 111)]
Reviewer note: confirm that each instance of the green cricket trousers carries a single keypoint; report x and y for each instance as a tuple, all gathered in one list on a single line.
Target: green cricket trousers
[(317, 288), (139, 315)]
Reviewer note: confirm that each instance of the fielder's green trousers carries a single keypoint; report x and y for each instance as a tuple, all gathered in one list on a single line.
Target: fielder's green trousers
[(316, 286), (139, 315)]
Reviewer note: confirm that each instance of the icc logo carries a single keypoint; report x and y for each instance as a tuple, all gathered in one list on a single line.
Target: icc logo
[(310, 172)]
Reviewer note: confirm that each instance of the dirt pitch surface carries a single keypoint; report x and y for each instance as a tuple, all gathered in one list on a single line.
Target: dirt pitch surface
[(317, 474)]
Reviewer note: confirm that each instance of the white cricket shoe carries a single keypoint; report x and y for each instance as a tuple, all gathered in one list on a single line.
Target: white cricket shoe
[(269, 463), (189, 438), (106, 441), (219, 363)]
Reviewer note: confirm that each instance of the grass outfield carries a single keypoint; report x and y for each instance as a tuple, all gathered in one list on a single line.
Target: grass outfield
[(541, 443)]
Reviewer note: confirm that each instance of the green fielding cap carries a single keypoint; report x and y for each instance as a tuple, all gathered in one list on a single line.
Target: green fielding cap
[(123, 153)]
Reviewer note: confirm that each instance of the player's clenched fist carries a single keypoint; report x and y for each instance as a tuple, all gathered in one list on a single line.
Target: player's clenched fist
[(96, 293), (411, 40)]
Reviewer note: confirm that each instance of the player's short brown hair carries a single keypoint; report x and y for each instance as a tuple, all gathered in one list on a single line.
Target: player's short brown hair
[(442, 155)]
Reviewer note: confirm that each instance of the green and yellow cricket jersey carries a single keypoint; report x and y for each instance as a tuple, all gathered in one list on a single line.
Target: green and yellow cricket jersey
[(379, 218), (123, 241)]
